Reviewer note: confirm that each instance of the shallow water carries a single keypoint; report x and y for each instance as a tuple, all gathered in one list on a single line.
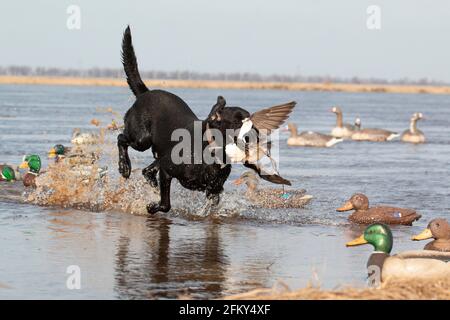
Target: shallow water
[(170, 255)]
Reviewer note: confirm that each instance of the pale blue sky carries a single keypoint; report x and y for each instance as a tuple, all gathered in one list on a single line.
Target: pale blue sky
[(313, 37)]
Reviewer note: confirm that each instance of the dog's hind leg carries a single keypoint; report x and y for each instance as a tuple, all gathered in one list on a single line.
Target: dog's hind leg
[(150, 173), (164, 186), (124, 159)]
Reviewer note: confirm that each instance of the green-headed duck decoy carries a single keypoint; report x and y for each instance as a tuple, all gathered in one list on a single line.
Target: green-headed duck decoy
[(32, 162), (7, 173), (408, 265)]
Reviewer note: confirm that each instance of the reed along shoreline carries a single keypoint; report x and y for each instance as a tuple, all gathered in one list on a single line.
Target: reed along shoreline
[(213, 84)]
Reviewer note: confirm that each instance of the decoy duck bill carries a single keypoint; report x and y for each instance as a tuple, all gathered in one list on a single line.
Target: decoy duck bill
[(238, 181), (52, 153), (425, 234), (24, 165), (346, 207), (357, 242)]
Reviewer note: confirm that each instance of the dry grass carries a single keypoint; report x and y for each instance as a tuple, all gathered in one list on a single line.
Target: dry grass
[(344, 87), (393, 290)]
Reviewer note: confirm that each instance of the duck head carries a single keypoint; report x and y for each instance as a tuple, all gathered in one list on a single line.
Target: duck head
[(8, 174), (437, 229), (32, 162), (358, 201), (378, 235), (292, 129), (57, 150), (336, 110), (358, 123), (249, 178), (417, 116)]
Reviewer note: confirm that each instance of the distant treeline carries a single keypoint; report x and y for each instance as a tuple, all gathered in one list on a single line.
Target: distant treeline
[(192, 75)]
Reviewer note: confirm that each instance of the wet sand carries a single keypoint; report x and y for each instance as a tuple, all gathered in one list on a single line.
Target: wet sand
[(202, 84)]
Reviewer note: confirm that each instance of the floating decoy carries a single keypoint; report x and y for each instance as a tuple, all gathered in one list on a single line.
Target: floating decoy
[(408, 265), (439, 230), (310, 138), (7, 173), (414, 135), (372, 134), (32, 162), (271, 197), (381, 214), (342, 130)]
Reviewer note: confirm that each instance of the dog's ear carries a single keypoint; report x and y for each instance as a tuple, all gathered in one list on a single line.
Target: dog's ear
[(214, 115)]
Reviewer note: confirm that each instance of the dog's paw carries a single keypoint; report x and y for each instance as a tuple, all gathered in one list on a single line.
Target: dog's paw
[(214, 199), (153, 208), (124, 169)]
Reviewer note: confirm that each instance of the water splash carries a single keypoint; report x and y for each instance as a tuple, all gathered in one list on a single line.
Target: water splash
[(80, 181)]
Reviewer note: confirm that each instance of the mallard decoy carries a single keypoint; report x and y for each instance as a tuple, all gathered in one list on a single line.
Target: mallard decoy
[(414, 135), (410, 265), (7, 173), (365, 215), (32, 162), (270, 197), (310, 138), (342, 130), (439, 230), (372, 134), (58, 151)]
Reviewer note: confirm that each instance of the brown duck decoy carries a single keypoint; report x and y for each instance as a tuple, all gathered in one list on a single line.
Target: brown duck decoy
[(439, 230), (270, 197), (388, 215)]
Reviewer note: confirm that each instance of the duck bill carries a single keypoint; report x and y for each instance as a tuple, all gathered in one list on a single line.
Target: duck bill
[(425, 234), (52, 153), (238, 182), (346, 207), (24, 165), (357, 242)]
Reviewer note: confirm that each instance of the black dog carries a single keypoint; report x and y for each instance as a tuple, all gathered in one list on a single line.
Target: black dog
[(152, 119)]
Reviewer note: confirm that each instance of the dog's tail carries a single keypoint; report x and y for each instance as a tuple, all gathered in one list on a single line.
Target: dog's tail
[(130, 65)]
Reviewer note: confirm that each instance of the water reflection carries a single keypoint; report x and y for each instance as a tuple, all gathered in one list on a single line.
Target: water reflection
[(193, 264)]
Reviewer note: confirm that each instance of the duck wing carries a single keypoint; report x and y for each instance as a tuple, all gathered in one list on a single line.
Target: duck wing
[(272, 118), (387, 215), (274, 178), (426, 254), (394, 215)]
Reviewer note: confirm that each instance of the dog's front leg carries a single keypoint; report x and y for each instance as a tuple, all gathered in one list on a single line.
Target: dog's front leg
[(150, 173), (214, 198), (164, 186), (124, 159)]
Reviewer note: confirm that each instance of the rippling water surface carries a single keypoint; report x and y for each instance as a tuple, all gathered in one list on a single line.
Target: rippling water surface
[(170, 255)]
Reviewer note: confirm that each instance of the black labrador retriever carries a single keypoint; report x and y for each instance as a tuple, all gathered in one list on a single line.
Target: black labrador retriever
[(153, 118)]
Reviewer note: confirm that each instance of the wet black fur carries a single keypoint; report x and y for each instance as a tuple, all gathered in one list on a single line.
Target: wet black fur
[(149, 123)]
